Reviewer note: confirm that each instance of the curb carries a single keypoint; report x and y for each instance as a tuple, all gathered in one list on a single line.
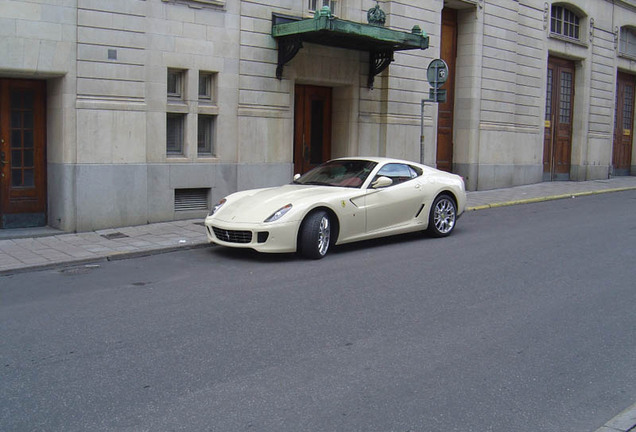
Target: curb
[(141, 253), (50, 266), (116, 256), (547, 198)]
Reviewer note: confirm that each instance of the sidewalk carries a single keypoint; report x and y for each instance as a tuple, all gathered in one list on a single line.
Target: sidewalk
[(40, 248)]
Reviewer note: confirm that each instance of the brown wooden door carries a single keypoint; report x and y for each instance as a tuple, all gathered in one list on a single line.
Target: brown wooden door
[(624, 124), (22, 153), (312, 127), (557, 147), (448, 53)]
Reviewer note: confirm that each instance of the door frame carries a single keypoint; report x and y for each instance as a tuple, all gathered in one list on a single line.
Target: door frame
[(557, 141), (23, 206), (305, 155), (445, 110), (623, 139)]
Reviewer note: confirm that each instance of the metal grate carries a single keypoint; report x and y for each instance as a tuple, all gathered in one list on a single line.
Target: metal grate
[(191, 199), (115, 235), (233, 236)]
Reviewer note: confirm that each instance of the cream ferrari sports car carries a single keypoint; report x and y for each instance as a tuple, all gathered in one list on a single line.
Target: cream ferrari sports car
[(341, 201)]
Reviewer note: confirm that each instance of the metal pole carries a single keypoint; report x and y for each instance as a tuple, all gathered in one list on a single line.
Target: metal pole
[(422, 154)]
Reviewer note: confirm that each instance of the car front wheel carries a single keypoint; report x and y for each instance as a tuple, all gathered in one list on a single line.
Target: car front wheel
[(315, 235), (443, 216)]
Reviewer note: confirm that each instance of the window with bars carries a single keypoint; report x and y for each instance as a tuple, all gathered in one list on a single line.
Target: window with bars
[(315, 5), (548, 97), (207, 86), (175, 83), (565, 106), (191, 100), (565, 22), (22, 139), (206, 122), (205, 134), (175, 125), (175, 121), (628, 107), (627, 45)]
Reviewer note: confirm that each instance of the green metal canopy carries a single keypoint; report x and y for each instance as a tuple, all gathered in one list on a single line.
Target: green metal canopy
[(324, 29)]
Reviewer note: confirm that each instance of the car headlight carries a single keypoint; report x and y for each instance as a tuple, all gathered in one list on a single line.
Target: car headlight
[(279, 213), (217, 207)]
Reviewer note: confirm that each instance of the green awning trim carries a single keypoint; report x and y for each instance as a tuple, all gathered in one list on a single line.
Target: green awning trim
[(324, 29)]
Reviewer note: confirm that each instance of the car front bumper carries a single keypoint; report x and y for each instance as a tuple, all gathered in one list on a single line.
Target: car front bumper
[(273, 237)]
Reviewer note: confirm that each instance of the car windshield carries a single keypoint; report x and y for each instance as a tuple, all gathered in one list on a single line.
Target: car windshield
[(344, 173)]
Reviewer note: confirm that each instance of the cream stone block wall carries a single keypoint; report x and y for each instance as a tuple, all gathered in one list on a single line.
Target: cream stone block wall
[(467, 115), (36, 39), (345, 141), (260, 139), (106, 62), (111, 137)]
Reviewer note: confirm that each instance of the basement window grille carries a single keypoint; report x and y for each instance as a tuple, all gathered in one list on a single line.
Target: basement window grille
[(191, 199)]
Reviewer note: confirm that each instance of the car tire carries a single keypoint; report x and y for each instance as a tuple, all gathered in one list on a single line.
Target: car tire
[(315, 235), (443, 216)]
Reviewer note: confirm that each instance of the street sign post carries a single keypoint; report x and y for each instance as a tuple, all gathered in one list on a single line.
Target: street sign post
[(437, 74)]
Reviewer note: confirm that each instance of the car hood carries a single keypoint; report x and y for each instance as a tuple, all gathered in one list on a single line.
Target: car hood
[(254, 206)]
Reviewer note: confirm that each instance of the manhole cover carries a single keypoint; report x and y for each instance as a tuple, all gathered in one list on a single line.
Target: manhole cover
[(115, 235)]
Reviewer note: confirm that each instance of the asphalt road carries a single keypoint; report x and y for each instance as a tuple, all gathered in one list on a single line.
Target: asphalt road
[(522, 320)]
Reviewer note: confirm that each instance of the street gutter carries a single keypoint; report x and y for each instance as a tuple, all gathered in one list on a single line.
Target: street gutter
[(546, 198)]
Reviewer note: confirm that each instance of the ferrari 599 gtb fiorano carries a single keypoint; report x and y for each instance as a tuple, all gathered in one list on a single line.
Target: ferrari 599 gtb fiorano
[(341, 201)]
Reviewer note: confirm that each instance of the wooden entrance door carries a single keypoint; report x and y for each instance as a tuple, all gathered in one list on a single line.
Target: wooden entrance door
[(312, 127), (624, 124), (557, 143), (22, 153), (448, 53)]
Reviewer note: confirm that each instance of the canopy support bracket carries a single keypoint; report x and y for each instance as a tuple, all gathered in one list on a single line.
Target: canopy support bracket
[(378, 61), (288, 47)]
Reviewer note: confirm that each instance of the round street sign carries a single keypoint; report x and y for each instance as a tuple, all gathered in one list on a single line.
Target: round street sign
[(437, 73)]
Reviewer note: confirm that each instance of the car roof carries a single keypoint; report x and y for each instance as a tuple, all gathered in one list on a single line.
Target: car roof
[(377, 159)]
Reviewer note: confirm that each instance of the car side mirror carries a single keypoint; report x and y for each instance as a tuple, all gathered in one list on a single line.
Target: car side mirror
[(296, 177), (381, 182)]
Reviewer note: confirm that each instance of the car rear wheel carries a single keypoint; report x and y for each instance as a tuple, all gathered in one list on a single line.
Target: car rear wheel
[(443, 216), (315, 235)]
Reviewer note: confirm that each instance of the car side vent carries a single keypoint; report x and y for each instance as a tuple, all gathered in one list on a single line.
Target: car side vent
[(191, 199)]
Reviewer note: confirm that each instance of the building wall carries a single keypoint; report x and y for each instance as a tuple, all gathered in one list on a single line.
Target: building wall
[(500, 101), (106, 66)]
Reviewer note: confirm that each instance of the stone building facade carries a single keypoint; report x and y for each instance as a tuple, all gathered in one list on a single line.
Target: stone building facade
[(125, 112)]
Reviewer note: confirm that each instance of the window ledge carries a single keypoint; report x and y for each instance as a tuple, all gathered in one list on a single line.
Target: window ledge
[(627, 56), (177, 157), (176, 107), (198, 4), (568, 39), (208, 109)]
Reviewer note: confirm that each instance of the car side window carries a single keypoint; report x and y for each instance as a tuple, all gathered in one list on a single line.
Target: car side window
[(397, 172)]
